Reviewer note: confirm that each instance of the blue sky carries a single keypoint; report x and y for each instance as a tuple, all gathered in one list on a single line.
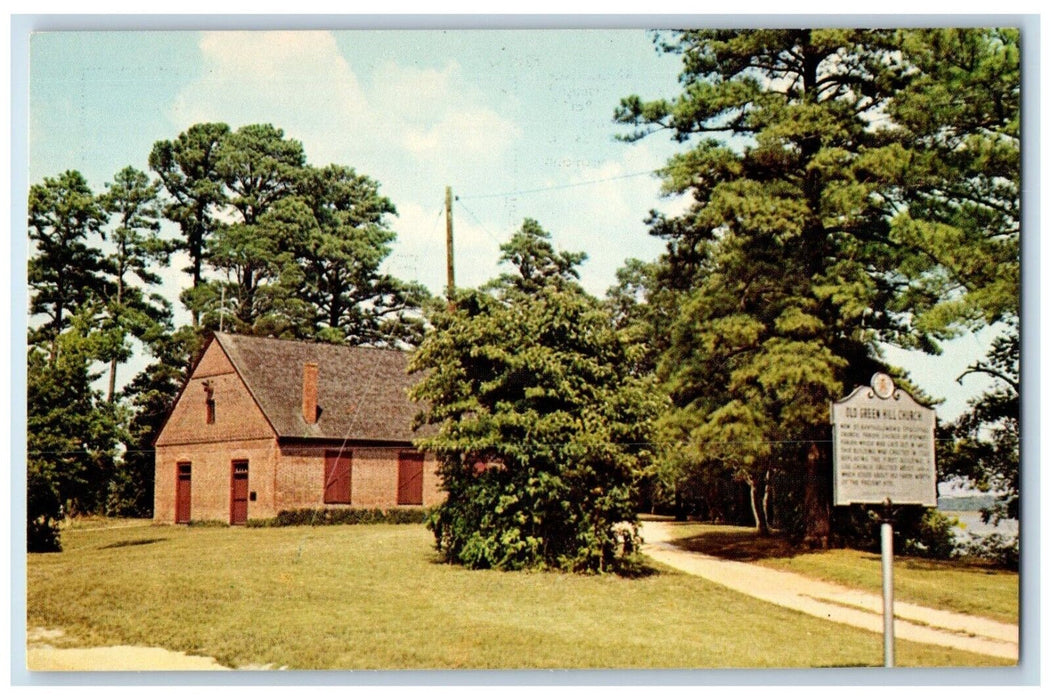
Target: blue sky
[(518, 123), (487, 113)]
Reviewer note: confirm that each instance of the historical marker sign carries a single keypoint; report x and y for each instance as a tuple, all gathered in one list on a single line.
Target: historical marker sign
[(883, 447)]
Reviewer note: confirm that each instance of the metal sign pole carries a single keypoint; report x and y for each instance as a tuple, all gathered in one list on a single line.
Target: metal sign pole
[(883, 451), (887, 559)]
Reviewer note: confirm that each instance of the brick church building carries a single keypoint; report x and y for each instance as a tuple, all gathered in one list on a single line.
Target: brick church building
[(266, 425)]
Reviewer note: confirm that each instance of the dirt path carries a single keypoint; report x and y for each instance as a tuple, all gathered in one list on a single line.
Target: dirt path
[(833, 602), (42, 656)]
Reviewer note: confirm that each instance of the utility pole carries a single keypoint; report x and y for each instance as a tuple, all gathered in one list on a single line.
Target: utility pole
[(450, 278), (222, 309)]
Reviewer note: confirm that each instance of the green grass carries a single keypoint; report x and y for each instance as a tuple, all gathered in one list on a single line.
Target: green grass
[(957, 586), (374, 596)]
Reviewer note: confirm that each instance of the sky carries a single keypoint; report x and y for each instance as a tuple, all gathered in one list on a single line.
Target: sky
[(517, 122)]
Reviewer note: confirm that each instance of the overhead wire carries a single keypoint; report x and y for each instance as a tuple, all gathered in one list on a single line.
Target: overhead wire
[(479, 222), (553, 188)]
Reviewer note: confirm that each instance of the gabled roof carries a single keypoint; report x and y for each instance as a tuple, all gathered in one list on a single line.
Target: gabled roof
[(362, 392)]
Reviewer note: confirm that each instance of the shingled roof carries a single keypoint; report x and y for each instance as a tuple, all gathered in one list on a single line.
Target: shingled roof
[(362, 392)]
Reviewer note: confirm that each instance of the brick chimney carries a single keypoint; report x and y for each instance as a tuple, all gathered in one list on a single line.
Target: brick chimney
[(310, 392)]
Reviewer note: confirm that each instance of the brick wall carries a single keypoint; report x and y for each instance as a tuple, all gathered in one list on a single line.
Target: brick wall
[(432, 492), (373, 484), (237, 417), (211, 466)]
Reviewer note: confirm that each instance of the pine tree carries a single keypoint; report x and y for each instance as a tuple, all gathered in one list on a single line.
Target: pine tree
[(187, 168), (65, 267), (131, 201), (803, 249)]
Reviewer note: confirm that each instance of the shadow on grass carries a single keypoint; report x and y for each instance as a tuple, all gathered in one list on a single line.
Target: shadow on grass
[(639, 571), (739, 546), (636, 569), (134, 543), (974, 566), (743, 544)]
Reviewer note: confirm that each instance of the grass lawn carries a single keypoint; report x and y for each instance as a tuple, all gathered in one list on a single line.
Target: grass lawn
[(374, 596), (956, 586)]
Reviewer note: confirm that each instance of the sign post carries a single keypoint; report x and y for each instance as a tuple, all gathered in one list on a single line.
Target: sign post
[(886, 548), (883, 453)]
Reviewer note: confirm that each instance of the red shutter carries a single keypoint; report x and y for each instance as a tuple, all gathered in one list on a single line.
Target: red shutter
[(410, 479), (337, 477)]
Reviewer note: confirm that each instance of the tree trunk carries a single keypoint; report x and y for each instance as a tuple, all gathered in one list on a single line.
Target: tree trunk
[(757, 488), (113, 362), (817, 502)]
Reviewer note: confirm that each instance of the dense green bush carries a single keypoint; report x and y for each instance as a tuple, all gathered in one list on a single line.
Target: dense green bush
[(342, 516), (918, 531), (541, 430), (43, 512), (994, 548), (933, 536)]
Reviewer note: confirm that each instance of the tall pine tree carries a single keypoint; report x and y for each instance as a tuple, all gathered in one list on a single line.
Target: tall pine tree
[(800, 251)]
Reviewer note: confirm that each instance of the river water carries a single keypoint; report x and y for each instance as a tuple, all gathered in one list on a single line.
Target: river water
[(971, 522)]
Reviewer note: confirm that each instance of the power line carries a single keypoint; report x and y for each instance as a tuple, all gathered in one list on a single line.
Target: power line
[(558, 187), (478, 221)]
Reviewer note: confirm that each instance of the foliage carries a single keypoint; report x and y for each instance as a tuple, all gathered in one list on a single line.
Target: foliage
[(66, 269), (982, 451), (984, 454), (343, 516), (43, 509), (341, 254), (130, 311), (187, 167), (298, 249), (959, 116), (71, 433), (643, 308), (843, 195), (258, 167), (540, 429), (993, 547), (933, 537)]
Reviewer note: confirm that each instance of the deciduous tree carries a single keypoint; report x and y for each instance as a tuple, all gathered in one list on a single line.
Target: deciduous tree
[(540, 430)]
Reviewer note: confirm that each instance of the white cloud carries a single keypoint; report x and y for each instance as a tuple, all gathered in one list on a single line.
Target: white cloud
[(294, 80), (301, 82), (478, 132), (439, 114)]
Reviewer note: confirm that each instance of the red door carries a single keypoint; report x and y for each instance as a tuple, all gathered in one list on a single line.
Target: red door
[(239, 494), (182, 492), (410, 479)]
